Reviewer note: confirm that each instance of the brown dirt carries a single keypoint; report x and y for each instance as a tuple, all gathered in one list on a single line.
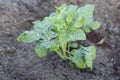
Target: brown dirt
[(18, 61)]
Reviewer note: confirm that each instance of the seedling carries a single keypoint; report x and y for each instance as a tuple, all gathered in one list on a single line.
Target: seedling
[(59, 32)]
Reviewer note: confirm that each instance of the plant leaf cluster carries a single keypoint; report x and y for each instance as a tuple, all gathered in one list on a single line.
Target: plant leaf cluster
[(59, 32)]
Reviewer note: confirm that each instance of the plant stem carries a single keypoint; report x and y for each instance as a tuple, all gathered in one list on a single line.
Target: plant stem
[(64, 49), (69, 46), (60, 54)]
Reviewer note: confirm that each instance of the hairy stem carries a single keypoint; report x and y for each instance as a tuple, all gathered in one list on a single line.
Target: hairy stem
[(64, 49), (58, 51), (69, 46)]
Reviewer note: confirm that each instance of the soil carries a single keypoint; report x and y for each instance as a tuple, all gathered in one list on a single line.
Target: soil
[(18, 61)]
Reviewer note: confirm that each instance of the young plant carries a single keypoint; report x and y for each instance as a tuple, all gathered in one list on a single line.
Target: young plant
[(59, 32)]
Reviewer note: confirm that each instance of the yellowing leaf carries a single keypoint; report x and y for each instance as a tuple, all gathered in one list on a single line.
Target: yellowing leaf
[(29, 36)]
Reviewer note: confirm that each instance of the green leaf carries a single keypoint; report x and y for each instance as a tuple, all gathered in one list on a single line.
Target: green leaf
[(57, 23), (95, 25), (63, 37), (89, 60), (40, 50), (74, 35), (77, 35), (87, 9), (52, 34), (84, 56), (72, 8), (61, 9), (87, 12), (37, 24), (29, 36), (69, 19), (41, 27), (55, 46), (70, 11), (86, 28), (90, 54), (47, 44), (44, 29), (92, 25), (53, 14), (73, 45), (93, 51), (79, 22), (78, 59)]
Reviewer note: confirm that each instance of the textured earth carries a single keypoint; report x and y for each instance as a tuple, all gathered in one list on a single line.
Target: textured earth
[(18, 61)]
